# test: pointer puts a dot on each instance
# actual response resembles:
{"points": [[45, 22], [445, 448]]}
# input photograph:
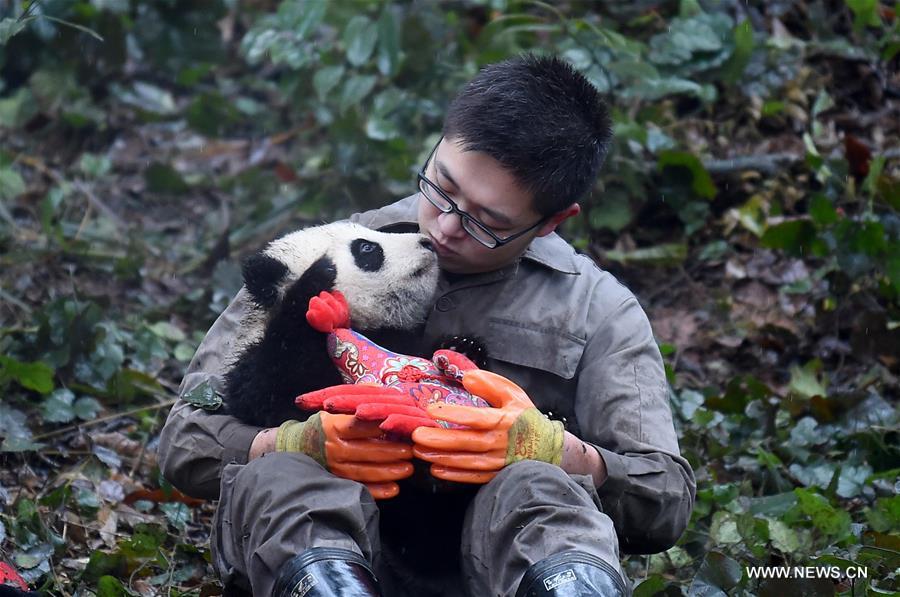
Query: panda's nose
{"points": [[427, 244]]}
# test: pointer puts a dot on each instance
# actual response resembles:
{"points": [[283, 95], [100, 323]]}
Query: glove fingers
{"points": [[495, 389], [372, 473], [488, 461], [469, 416], [383, 491], [379, 412], [404, 425], [316, 400], [366, 450], [352, 403], [461, 476], [461, 440], [348, 427]]}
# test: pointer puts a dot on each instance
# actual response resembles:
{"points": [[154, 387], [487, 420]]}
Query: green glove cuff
{"points": [[535, 437], [307, 437]]}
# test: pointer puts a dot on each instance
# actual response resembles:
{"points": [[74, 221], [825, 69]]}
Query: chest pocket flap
{"points": [[548, 349]]}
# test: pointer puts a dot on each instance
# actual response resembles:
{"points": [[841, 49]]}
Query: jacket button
{"points": [[444, 304]]}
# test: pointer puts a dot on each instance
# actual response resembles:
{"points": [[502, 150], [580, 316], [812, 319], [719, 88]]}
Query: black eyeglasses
{"points": [[480, 232]]}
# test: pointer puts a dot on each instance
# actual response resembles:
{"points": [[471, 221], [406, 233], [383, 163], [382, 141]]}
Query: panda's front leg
{"points": [[289, 360]]}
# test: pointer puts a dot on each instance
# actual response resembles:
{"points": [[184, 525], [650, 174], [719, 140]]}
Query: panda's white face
{"points": [[389, 279]]}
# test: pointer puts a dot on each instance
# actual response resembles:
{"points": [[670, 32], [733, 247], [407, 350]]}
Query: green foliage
{"points": [[152, 142]]}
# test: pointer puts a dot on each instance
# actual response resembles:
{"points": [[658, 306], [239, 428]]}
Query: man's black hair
{"points": [[542, 120]]}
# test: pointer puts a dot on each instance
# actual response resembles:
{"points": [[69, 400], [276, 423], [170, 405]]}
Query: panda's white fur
{"points": [[389, 281], [397, 295]]}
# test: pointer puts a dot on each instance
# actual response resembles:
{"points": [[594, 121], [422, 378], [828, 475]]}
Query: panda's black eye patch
{"points": [[369, 255]]}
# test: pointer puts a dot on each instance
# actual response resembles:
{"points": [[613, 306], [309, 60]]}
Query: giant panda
{"points": [[389, 281]]}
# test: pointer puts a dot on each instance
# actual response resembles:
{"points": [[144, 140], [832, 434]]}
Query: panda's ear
{"points": [[262, 274]]}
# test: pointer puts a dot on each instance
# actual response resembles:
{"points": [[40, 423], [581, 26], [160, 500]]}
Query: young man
{"points": [[560, 493]]}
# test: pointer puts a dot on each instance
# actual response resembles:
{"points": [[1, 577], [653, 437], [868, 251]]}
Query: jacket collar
{"points": [[551, 251]]}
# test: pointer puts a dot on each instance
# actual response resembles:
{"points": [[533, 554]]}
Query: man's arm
{"points": [[622, 406], [196, 444], [581, 458]]}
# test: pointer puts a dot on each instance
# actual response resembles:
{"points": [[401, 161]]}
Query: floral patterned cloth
{"points": [[360, 361]]}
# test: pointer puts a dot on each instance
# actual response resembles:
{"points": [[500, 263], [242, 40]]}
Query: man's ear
{"points": [[558, 218]]}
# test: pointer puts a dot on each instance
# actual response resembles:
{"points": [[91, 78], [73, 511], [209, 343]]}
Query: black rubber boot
{"points": [[326, 572], [572, 574]]}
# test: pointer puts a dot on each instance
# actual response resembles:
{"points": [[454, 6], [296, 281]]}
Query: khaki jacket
{"points": [[569, 333]]}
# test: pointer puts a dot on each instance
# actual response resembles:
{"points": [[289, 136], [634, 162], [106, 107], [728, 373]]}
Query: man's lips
{"points": [[441, 250]]}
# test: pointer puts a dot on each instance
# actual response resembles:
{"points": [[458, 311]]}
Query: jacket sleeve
{"points": [[622, 405], [196, 444]]}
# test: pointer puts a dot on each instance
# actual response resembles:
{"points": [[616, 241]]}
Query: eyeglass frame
{"points": [[463, 216]]}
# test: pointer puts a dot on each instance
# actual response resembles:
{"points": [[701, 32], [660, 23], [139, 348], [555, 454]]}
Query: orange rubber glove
{"points": [[397, 413], [512, 431], [349, 448]]}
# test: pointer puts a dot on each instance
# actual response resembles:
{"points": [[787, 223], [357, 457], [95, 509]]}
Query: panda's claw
{"points": [[452, 364]]}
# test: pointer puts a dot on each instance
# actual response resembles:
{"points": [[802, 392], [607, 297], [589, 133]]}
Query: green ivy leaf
{"points": [[35, 375], [110, 586], [885, 515], [94, 166], [830, 521], [203, 396], [11, 26], [11, 184], [796, 237], [167, 331], [57, 408], [87, 408], [389, 53], [360, 37], [783, 537], [326, 79], [355, 90], [162, 178], [702, 183], [652, 585], [805, 381], [16, 434], [822, 211], [723, 530], [717, 575], [743, 50], [612, 212], [178, 514], [865, 13]]}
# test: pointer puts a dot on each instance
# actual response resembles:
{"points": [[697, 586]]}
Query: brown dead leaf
{"points": [[676, 326], [109, 524]]}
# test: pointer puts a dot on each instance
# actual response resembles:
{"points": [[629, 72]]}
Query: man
{"points": [[560, 493]]}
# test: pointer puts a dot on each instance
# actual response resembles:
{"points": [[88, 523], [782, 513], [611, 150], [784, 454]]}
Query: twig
{"points": [[99, 205], [79, 186], [769, 164], [14, 301], [127, 413]]}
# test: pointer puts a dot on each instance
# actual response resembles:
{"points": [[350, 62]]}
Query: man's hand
{"points": [[349, 448], [512, 431]]}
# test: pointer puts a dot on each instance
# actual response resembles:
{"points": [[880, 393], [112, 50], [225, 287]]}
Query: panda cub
{"points": [[389, 281]]}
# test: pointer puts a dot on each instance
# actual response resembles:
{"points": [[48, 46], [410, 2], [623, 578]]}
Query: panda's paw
{"points": [[452, 364], [328, 311], [469, 346]]}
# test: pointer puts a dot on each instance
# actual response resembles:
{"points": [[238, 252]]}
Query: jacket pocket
{"points": [[527, 345]]}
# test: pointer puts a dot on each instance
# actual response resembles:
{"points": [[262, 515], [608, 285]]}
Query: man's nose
{"points": [[450, 225]]}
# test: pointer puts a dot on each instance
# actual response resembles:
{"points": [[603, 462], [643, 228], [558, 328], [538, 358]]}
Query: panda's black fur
{"points": [[262, 384], [279, 355], [287, 357]]}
